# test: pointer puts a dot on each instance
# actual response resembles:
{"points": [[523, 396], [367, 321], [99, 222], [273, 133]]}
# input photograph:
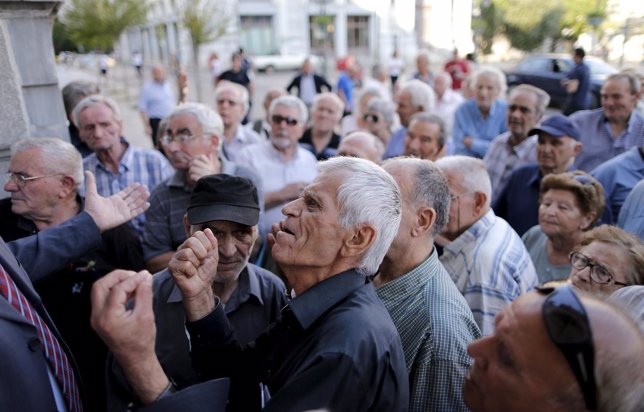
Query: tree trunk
{"points": [[195, 69]]}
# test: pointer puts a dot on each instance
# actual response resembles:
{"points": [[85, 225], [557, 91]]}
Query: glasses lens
{"points": [[277, 119], [600, 274]]}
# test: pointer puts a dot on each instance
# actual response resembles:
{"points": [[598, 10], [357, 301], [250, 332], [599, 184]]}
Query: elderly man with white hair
{"points": [[413, 97], [192, 142], [285, 166], [334, 346], [363, 145], [447, 100], [321, 138], [232, 105], [482, 118], [484, 255]]}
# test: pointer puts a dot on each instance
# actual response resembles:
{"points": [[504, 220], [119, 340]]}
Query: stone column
{"points": [[32, 104]]}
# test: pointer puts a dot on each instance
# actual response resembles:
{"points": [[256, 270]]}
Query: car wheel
{"points": [[269, 69]]}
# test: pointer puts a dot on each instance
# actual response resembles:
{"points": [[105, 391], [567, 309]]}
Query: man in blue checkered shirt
{"points": [[432, 317]]}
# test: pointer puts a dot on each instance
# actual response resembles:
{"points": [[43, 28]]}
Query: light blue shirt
{"points": [[631, 217], [619, 176], [396, 145], [490, 266], [157, 99], [599, 143], [468, 121], [435, 326]]}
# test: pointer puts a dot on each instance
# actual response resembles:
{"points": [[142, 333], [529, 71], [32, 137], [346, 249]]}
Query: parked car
{"points": [[546, 71], [282, 59]]}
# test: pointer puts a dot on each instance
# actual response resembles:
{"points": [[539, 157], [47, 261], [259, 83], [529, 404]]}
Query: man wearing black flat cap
{"points": [[557, 145], [252, 296]]}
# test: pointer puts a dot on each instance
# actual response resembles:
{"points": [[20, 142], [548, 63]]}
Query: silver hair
{"points": [[57, 156], [290, 101], [543, 98], [367, 139], [241, 91], [429, 188], [472, 172], [368, 195], [496, 74], [74, 92], [425, 117], [633, 81], [422, 95], [446, 76], [384, 107], [94, 100], [208, 118], [334, 98]]}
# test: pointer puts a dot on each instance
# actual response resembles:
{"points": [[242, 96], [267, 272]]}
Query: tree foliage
{"points": [[61, 39], [97, 24], [527, 24]]}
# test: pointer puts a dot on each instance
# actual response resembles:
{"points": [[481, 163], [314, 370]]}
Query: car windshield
{"points": [[598, 67]]}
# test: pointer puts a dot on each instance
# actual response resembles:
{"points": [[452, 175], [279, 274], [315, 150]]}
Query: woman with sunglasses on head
{"points": [[570, 204], [608, 259], [379, 117]]}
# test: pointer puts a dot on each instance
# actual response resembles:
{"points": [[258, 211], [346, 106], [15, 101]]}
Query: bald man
{"points": [[363, 145]]}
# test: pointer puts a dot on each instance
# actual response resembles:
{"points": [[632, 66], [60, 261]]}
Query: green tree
{"points": [[98, 24], [61, 39], [205, 21]]}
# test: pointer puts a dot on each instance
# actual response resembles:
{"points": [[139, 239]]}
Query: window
{"points": [[256, 34], [358, 32], [321, 33]]}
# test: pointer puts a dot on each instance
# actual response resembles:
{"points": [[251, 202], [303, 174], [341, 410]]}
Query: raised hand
{"points": [[194, 268], [203, 165], [109, 212]]}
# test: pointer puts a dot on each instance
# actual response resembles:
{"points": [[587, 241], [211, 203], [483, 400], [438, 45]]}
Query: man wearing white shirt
{"points": [[286, 167], [232, 105], [447, 100]]}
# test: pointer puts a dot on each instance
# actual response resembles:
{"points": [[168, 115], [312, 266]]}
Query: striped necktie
{"points": [[53, 351]]}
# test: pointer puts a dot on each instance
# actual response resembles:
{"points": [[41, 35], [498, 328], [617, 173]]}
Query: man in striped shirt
{"points": [[484, 255]]}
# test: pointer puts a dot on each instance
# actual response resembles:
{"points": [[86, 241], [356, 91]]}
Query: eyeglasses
{"points": [[567, 324], [180, 138], [373, 117], [21, 180], [598, 273], [277, 119]]}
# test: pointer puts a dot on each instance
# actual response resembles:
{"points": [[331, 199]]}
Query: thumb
{"points": [[90, 184]]}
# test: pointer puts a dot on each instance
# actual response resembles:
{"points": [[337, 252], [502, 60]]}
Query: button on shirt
{"points": [[490, 266], [334, 347], [435, 326], [266, 161], [599, 143], [502, 159], [144, 166], [157, 99], [468, 121]]}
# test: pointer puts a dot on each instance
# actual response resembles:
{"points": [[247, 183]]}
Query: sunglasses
{"points": [[277, 119], [373, 117], [569, 329]]}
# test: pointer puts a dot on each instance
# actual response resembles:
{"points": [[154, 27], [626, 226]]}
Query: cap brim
{"points": [[248, 216]]}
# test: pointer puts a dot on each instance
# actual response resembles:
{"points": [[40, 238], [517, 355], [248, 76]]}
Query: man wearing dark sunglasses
{"points": [[555, 351]]}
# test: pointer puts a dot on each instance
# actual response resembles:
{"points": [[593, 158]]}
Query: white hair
{"points": [[368, 195], [208, 118], [240, 90], [472, 173], [422, 94], [290, 101], [94, 100], [495, 73], [57, 156]]}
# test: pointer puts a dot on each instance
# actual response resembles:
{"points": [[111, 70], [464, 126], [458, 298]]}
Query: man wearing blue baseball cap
{"points": [[557, 145]]}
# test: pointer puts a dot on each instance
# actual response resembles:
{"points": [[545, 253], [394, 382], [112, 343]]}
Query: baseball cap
{"points": [[557, 126], [224, 197]]}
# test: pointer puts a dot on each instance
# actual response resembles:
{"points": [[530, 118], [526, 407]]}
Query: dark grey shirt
{"points": [[251, 308], [334, 347]]}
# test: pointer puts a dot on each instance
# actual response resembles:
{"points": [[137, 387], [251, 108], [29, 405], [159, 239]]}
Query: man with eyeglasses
{"points": [[285, 166], [553, 350], [608, 259], [193, 139], [45, 175], [321, 139], [115, 162], [516, 147], [485, 258], [232, 105]]}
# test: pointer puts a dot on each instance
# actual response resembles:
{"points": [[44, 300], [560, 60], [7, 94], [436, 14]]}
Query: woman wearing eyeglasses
{"points": [[379, 118], [570, 204], [607, 260]]}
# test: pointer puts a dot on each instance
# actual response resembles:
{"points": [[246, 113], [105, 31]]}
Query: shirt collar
{"points": [[472, 233], [412, 280], [319, 298]]}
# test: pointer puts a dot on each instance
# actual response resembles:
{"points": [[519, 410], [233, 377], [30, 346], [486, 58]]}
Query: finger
{"points": [[102, 287], [121, 292], [214, 244], [143, 296], [90, 184], [270, 240]]}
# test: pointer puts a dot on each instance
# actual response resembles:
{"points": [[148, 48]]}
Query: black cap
{"points": [[557, 126], [224, 197]]}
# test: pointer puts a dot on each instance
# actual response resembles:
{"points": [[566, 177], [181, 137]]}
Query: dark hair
{"points": [[580, 52]]}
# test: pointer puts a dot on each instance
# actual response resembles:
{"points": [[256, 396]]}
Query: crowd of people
{"points": [[394, 243]]}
